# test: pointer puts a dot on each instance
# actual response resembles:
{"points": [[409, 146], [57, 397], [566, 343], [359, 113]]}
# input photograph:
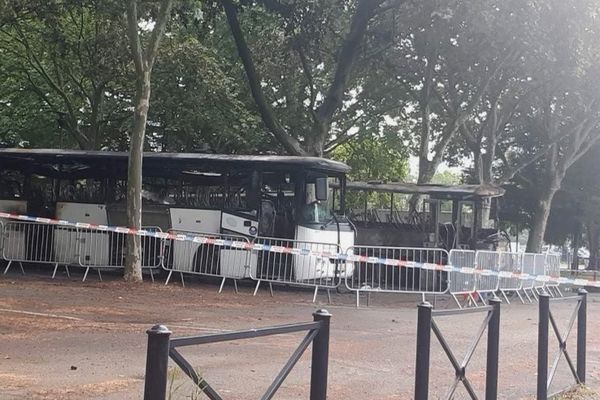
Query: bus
{"points": [[406, 214], [267, 196]]}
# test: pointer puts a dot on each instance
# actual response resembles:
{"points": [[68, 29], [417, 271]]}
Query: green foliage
{"points": [[380, 158]]}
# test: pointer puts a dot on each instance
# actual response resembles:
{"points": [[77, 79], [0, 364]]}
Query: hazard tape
{"points": [[242, 245]]}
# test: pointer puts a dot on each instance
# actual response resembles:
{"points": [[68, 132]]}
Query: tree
{"points": [[143, 61], [315, 70], [63, 61]]}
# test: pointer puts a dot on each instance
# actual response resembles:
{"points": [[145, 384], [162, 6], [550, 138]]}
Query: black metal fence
{"points": [[426, 324], [161, 347], [546, 319]]}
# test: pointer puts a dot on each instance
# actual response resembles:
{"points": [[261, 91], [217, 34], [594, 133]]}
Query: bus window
{"points": [[88, 190], [318, 211], [11, 185]]}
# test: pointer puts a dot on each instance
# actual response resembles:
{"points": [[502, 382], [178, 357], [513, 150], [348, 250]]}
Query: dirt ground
{"points": [[64, 339]]}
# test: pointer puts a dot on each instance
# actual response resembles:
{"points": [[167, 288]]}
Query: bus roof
{"points": [[25, 158], [433, 190]]}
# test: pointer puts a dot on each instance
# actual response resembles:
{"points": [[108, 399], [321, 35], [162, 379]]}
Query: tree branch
{"points": [[348, 53], [159, 29], [290, 143], [137, 52]]}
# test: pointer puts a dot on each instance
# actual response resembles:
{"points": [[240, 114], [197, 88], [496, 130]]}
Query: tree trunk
{"points": [[593, 237], [576, 245], [133, 265], [540, 219]]}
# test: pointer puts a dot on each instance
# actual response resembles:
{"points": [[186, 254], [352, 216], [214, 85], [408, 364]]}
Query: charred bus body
{"points": [[405, 214], [417, 223], [250, 196]]}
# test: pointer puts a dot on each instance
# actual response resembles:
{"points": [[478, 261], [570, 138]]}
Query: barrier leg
{"points": [[558, 291], [67, 271], [581, 335], [520, 297], [99, 275], [182, 281], [456, 300], [157, 363], [527, 295], [7, 267], [423, 350], [271, 288], [473, 301], [54, 272], [358, 299], [151, 275], [315, 293], [85, 274], [479, 294], [169, 277], [235, 287], [221, 286], [256, 288], [21, 266], [505, 296], [328, 296]]}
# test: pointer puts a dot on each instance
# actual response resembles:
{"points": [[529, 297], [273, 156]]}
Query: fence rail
{"points": [[161, 347], [426, 324], [546, 319]]}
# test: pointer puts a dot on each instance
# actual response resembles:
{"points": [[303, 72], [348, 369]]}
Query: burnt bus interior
{"points": [[410, 215], [270, 188], [271, 195]]}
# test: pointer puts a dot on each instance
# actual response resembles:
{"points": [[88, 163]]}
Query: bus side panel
{"points": [[87, 247], [313, 267], [191, 220]]}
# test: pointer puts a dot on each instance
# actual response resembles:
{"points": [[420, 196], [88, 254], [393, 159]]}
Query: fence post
{"points": [[493, 350], [157, 361], [544, 318], [320, 357], [423, 348], [581, 335]]}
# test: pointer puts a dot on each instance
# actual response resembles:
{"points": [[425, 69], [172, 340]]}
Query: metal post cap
{"points": [[425, 304], [582, 291], [158, 330], [322, 313]]}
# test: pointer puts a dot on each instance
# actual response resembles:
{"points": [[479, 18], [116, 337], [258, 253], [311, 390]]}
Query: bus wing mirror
{"points": [[321, 189]]}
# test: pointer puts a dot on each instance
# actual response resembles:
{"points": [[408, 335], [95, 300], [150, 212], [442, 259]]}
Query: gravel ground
{"points": [[63, 339]]}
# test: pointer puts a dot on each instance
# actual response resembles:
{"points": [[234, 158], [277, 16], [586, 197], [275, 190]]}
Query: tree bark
{"points": [[133, 265], [593, 238], [540, 218]]}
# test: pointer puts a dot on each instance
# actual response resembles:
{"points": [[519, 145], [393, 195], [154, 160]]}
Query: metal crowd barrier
{"points": [[487, 284], [459, 283], [512, 263], [38, 243], [389, 277], [221, 259], [288, 262], [310, 264], [533, 264], [553, 270], [107, 250], [28, 242]]}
